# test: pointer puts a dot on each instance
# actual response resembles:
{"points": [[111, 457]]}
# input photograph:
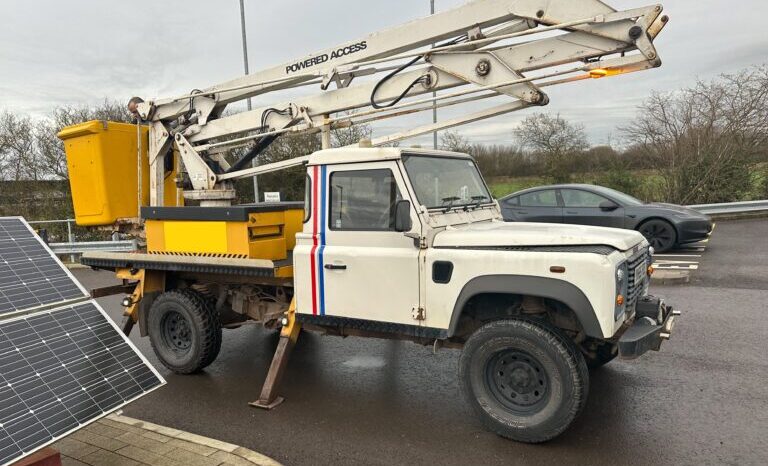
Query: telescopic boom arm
{"points": [[486, 48]]}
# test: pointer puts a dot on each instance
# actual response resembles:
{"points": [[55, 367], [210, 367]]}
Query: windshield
{"points": [[622, 197], [446, 182]]}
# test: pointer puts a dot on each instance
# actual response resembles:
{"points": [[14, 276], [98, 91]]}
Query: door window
{"points": [[363, 200], [579, 198], [546, 198], [307, 198], [512, 202]]}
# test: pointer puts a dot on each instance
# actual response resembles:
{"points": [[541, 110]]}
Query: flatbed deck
{"points": [[196, 264]]}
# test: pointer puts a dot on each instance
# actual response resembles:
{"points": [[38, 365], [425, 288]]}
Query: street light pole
{"points": [[245, 66], [434, 94], [245, 42]]}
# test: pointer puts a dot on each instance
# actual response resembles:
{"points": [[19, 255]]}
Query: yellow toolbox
{"points": [[257, 231]]}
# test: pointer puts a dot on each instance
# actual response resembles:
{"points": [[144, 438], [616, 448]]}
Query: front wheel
{"points": [[527, 381], [660, 234]]}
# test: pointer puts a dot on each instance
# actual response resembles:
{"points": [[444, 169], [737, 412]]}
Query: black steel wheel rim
{"points": [[659, 235], [517, 380], [177, 334]]}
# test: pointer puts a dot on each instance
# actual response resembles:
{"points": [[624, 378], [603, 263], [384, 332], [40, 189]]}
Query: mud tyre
{"points": [[525, 380], [184, 330]]}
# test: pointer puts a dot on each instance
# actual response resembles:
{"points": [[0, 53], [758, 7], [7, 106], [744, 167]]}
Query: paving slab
{"points": [[671, 277], [123, 441]]}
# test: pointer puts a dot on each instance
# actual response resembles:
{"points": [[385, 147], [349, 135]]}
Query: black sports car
{"points": [[665, 225]]}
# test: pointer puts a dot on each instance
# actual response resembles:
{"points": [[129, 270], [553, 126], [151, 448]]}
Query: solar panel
{"points": [[30, 275], [60, 370], [63, 363]]}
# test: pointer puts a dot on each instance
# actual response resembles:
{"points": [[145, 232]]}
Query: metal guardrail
{"points": [[81, 247], [74, 248], [745, 207]]}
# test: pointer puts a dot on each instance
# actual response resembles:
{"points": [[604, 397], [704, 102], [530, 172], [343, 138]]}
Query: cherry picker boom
{"points": [[486, 48]]}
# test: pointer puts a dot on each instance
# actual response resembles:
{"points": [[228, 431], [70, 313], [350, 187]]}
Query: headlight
{"points": [[649, 260], [621, 290]]}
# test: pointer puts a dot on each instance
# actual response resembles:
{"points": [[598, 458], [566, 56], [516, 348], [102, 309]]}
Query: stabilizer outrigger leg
{"points": [[128, 326], [288, 336]]}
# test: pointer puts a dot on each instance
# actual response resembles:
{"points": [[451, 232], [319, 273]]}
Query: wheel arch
{"points": [[542, 287]]}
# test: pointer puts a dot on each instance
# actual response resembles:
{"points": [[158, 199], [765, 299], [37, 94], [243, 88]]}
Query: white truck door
{"points": [[357, 265]]}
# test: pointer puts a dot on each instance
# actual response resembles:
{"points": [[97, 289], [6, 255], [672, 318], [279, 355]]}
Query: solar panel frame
{"points": [[31, 276], [85, 326]]}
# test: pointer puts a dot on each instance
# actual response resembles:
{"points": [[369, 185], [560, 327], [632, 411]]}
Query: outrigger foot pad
{"points": [[262, 405]]}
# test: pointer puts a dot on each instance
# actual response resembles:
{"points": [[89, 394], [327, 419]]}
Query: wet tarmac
{"points": [[702, 400]]}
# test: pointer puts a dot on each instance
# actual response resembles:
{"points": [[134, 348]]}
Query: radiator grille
{"points": [[634, 289]]}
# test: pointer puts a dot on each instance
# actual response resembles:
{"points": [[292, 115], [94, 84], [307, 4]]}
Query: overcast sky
{"points": [[55, 52]]}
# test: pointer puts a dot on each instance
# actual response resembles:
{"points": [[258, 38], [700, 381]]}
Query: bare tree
{"points": [[504, 161], [455, 142], [706, 139], [51, 149], [349, 136], [18, 158], [554, 139], [289, 182]]}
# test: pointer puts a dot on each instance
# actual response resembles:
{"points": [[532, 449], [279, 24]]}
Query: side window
{"points": [[512, 201], [546, 198], [363, 200], [579, 198], [307, 198]]}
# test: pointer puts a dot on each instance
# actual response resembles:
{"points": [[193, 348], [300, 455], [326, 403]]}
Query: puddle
{"points": [[365, 362]]}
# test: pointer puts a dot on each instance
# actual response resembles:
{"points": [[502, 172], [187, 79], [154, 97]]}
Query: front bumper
{"points": [[690, 231], [654, 322]]}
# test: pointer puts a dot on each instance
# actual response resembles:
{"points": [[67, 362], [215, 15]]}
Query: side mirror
{"points": [[403, 220], [608, 206]]}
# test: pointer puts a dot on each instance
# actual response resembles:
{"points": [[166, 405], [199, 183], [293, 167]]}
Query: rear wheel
{"points": [[660, 234], [527, 381], [184, 330]]}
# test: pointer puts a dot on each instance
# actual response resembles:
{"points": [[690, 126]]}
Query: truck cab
{"points": [[372, 216]]}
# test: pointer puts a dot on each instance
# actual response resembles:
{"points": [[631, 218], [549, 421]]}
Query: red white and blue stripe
{"points": [[319, 224]]}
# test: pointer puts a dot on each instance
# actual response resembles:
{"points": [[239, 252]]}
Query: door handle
{"points": [[571, 212], [335, 267]]}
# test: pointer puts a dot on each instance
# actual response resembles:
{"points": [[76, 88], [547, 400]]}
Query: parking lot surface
{"points": [[702, 400], [686, 257]]}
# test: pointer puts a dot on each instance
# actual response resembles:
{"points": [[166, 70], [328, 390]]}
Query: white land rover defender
{"points": [[411, 242]]}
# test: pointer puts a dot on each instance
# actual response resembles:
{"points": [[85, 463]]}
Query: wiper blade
{"points": [[479, 200], [450, 200]]}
